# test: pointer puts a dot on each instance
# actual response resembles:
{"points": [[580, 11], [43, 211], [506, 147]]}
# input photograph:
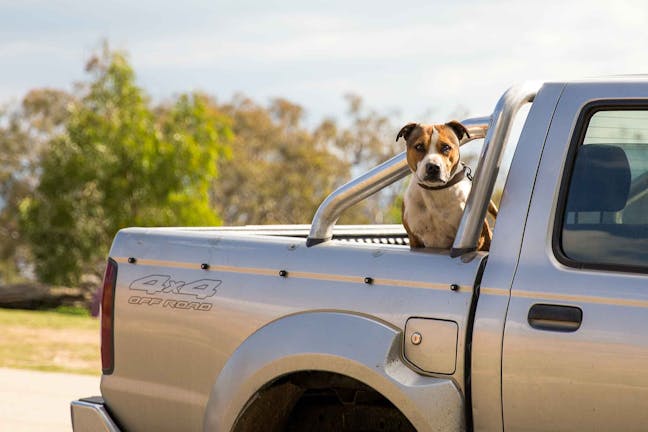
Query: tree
{"points": [[279, 171], [25, 130], [117, 163], [366, 141], [369, 138]]}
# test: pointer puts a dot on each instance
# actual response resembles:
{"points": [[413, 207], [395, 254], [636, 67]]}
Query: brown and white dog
{"points": [[436, 196]]}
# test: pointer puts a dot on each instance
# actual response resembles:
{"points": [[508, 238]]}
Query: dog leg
{"points": [[485, 238], [414, 241]]}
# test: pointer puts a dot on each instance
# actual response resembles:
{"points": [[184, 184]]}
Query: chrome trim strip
{"points": [[494, 291], [578, 299], [371, 182], [474, 214], [291, 274]]}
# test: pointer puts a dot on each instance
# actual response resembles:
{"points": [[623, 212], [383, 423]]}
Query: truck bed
{"points": [[189, 300]]}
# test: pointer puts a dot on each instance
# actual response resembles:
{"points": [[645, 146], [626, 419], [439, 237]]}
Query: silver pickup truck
{"points": [[345, 328]]}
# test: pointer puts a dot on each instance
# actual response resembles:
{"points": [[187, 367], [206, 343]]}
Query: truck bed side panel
{"points": [[176, 324]]}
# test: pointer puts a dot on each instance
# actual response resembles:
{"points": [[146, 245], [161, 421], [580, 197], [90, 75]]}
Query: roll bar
{"points": [[369, 183], [396, 168], [492, 151]]}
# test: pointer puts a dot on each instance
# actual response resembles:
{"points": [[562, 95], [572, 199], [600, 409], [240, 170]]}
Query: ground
{"points": [[32, 401], [62, 341], [66, 340]]}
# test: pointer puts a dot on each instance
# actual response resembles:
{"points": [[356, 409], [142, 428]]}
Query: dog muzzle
{"points": [[465, 172]]}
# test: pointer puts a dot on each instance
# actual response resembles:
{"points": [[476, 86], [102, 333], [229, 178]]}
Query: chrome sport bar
{"points": [[369, 183], [492, 151], [495, 129]]}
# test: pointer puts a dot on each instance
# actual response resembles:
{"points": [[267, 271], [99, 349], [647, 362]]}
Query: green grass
{"points": [[63, 341], [72, 310]]}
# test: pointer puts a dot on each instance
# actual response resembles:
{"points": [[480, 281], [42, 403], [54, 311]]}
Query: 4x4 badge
{"points": [[153, 284]]}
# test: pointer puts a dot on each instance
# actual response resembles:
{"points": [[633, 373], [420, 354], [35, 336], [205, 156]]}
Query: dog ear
{"points": [[459, 129], [406, 131]]}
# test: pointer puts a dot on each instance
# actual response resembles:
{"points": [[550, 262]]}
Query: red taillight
{"points": [[107, 317]]}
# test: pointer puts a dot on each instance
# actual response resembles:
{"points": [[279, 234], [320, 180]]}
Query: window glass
{"points": [[606, 211]]}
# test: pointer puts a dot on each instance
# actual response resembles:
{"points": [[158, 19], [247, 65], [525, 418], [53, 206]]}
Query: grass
{"points": [[64, 340]]}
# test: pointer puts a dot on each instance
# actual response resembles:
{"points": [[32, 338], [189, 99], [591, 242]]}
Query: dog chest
{"points": [[434, 216]]}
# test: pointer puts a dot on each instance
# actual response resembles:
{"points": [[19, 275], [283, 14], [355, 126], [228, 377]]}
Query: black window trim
{"points": [[587, 112]]}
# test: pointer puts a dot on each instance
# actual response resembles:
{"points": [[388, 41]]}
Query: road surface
{"points": [[40, 401]]}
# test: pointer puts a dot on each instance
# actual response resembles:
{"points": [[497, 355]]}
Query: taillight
{"points": [[108, 317]]}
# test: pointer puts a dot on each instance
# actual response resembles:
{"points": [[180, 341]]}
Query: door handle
{"points": [[555, 317]]}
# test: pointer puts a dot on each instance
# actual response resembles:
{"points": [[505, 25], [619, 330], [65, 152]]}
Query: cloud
{"points": [[411, 57]]}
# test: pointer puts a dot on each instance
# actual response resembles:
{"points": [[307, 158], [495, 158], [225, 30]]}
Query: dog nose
{"points": [[432, 170]]}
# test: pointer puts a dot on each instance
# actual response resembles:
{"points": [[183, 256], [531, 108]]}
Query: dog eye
{"points": [[419, 147], [445, 148]]}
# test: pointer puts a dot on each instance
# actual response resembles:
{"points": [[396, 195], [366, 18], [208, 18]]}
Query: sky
{"points": [[415, 60]]}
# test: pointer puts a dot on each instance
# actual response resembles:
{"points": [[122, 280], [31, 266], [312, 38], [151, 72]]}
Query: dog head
{"points": [[433, 150]]}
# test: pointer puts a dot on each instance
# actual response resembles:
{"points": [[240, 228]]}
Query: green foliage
{"points": [[279, 171], [24, 132], [193, 132], [79, 167], [120, 163], [395, 209], [367, 141], [73, 310]]}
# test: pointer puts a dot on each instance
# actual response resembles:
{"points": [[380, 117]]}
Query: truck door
{"points": [[575, 351]]}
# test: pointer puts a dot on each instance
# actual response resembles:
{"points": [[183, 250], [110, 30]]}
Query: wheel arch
{"points": [[351, 345]]}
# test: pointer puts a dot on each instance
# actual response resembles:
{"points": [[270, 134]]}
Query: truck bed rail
{"points": [[391, 234]]}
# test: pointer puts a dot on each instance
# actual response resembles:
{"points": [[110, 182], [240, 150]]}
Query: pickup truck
{"points": [[324, 328]]}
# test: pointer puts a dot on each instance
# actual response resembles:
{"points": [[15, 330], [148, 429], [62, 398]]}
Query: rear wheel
{"points": [[321, 402]]}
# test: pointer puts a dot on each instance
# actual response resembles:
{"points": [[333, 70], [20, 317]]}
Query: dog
{"points": [[436, 196]]}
